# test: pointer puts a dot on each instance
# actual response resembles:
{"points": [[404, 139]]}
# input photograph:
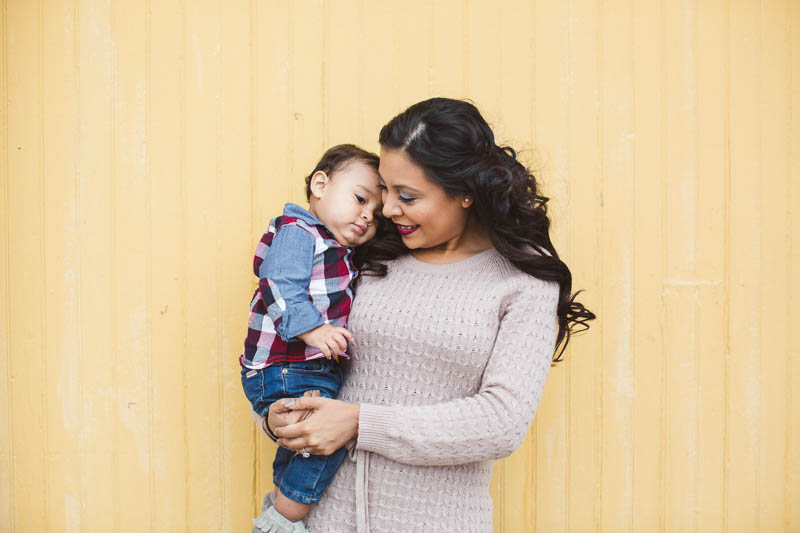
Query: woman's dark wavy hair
{"points": [[455, 147]]}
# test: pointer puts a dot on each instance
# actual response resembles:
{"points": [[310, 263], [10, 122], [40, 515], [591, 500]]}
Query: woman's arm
{"points": [[488, 425]]}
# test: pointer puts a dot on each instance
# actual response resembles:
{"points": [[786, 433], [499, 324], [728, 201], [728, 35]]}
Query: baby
{"points": [[299, 311]]}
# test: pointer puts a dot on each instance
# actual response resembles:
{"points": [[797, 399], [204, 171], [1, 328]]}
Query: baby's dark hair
{"points": [[337, 158]]}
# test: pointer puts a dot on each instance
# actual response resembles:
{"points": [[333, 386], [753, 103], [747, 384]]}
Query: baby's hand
{"points": [[330, 340]]}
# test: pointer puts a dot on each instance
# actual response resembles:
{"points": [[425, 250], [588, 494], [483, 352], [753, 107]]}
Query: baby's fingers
{"points": [[345, 333], [341, 342]]}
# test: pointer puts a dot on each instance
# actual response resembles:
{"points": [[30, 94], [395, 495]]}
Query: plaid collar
{"points": [[295, 211]]}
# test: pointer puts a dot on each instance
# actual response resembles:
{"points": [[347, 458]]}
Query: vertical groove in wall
{"points": [[43, 259], [323, 74], [663, 427], [666, 469], [693, 14], [291, 109], [431, 47], [465, 48], [498, 53], [787, 478], [759, 206], [631, 286], [601, 174], [362, 53], [112, 196], [79, 253], [254, 108], [568, 210], [727, 274], [6, 264], [149, 261], [218, 270], [183, 75], [789, 490]]}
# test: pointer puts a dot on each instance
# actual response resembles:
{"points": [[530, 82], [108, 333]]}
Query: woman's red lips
{"points": [[406, 230]]}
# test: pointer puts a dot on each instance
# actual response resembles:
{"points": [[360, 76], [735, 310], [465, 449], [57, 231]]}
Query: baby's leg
{"points": [[290, 509]]}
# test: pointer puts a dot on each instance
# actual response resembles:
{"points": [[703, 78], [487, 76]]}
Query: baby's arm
{"points": [[286, 274]]}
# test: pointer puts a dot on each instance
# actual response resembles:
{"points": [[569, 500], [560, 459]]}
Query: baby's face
{"points": [[349, 203]]}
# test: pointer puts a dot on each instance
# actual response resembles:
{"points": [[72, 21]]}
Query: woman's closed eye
{"points": [[405, 199], [360, 199]]}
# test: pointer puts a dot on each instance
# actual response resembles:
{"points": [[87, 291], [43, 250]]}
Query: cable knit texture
{"points": [[448, 364]]}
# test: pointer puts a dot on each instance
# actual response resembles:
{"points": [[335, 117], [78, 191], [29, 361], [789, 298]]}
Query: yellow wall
{"points": [[146, 143]]}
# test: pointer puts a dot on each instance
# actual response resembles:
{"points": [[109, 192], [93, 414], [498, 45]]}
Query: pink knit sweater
{"points": [[449, 363]]}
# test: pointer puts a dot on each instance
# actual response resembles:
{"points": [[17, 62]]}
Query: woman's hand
{"points": [[331, 425], [279, 416]]}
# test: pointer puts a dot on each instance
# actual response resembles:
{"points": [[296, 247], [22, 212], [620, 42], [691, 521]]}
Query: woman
{"points": [[452, 343]]}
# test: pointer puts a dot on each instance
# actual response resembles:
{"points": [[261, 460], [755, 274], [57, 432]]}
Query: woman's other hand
{"points": [[331, 425], [279, 416]]}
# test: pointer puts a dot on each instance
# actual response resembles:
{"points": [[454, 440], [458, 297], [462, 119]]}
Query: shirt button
{"points": [[284, 371]]}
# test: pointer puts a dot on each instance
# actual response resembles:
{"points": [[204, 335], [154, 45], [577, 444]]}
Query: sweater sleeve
{"points": [[492, 423]]}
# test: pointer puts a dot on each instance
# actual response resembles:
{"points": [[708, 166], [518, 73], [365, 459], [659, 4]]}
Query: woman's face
{"points": [[425, 216]]}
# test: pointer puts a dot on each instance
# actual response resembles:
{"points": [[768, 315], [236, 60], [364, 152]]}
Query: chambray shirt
{"points": [[304, 281]]}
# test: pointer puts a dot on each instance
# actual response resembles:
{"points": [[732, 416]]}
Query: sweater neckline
{"points": [[470, 263]]}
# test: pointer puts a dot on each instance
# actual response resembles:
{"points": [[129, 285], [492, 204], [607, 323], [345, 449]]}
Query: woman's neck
{"points": [[473, 240]]}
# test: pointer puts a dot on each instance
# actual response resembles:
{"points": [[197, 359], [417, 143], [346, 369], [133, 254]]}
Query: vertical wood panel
{"points": [[235, 260], [412, 32], [62, 235], [272, 176], [167, 229], [132, 372], [584, 485], [792, 474], [774, 152], [550, 124], [308, 127], [205, 505], [711, 108], [343, 61], [616, 141], [375, 78], [744, 384], [95, 200], [26, 245], [447, 46], [648, 296], [680, 286], [7, 507]]}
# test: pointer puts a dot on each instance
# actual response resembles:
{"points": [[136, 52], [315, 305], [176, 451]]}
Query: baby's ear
{"points": [[319, 180]]}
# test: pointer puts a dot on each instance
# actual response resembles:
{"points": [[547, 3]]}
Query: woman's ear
{"points": [[319, 180], [466, 202]]}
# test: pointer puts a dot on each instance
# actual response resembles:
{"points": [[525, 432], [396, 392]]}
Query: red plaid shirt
{"points": [[304, 281]]}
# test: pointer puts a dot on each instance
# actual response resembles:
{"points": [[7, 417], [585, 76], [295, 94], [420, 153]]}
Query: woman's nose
{"points": [[390, 207]]}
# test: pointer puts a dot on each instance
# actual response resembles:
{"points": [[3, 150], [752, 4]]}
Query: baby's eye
{"points": [[383, 187], [360, 199]]}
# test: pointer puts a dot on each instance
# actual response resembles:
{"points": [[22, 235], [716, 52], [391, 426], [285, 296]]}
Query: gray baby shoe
{"points": [[269, 500], [271, 521]]}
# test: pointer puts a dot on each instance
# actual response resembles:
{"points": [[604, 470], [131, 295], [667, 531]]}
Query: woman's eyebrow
{"points": [[406, 188]]}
